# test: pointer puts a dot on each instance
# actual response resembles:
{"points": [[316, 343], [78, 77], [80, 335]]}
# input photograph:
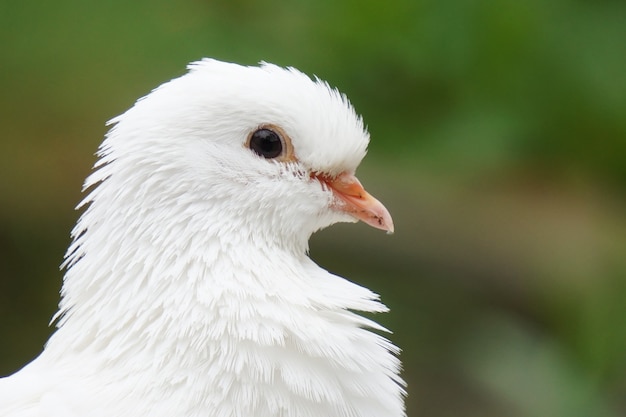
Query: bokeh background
{"points": [[498, 143]]}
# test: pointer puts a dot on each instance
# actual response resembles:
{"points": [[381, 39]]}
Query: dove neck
{"points": [[131, 270]]}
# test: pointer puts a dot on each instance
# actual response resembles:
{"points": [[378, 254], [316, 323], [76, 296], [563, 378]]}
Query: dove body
{"points": [[188, 291]]}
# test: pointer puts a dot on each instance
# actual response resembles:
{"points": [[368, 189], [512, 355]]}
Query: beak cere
{"points": [[354, 200]]}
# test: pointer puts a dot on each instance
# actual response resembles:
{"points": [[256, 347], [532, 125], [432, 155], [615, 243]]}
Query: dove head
{"points": [[249, 153]]}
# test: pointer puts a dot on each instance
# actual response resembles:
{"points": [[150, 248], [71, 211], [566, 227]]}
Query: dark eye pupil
{"points": [[266, 143]]}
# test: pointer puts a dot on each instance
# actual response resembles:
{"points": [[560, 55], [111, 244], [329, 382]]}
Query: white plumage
{"points": [[188, 289]]}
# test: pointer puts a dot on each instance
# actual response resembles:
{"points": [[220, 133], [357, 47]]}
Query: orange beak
{"points": [[357, 202]]}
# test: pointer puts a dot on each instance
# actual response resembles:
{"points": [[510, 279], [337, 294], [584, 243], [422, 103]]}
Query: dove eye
{"points": [[266, 143], [270, 142]]}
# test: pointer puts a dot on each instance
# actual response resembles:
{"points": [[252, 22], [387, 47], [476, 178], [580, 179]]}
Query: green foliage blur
{"points": [[498, 144]]}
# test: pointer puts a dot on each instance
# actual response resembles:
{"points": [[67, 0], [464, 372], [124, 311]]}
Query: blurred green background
{"points": [[498, 144]]}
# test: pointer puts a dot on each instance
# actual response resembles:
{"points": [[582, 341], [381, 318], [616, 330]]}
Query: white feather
{"points": [[188, 291]]}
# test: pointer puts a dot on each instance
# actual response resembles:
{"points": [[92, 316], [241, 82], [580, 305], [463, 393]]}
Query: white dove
{"points": [[188, 291]]}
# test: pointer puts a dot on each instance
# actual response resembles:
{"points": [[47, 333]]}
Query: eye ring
{"points": [[271, 142]]}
